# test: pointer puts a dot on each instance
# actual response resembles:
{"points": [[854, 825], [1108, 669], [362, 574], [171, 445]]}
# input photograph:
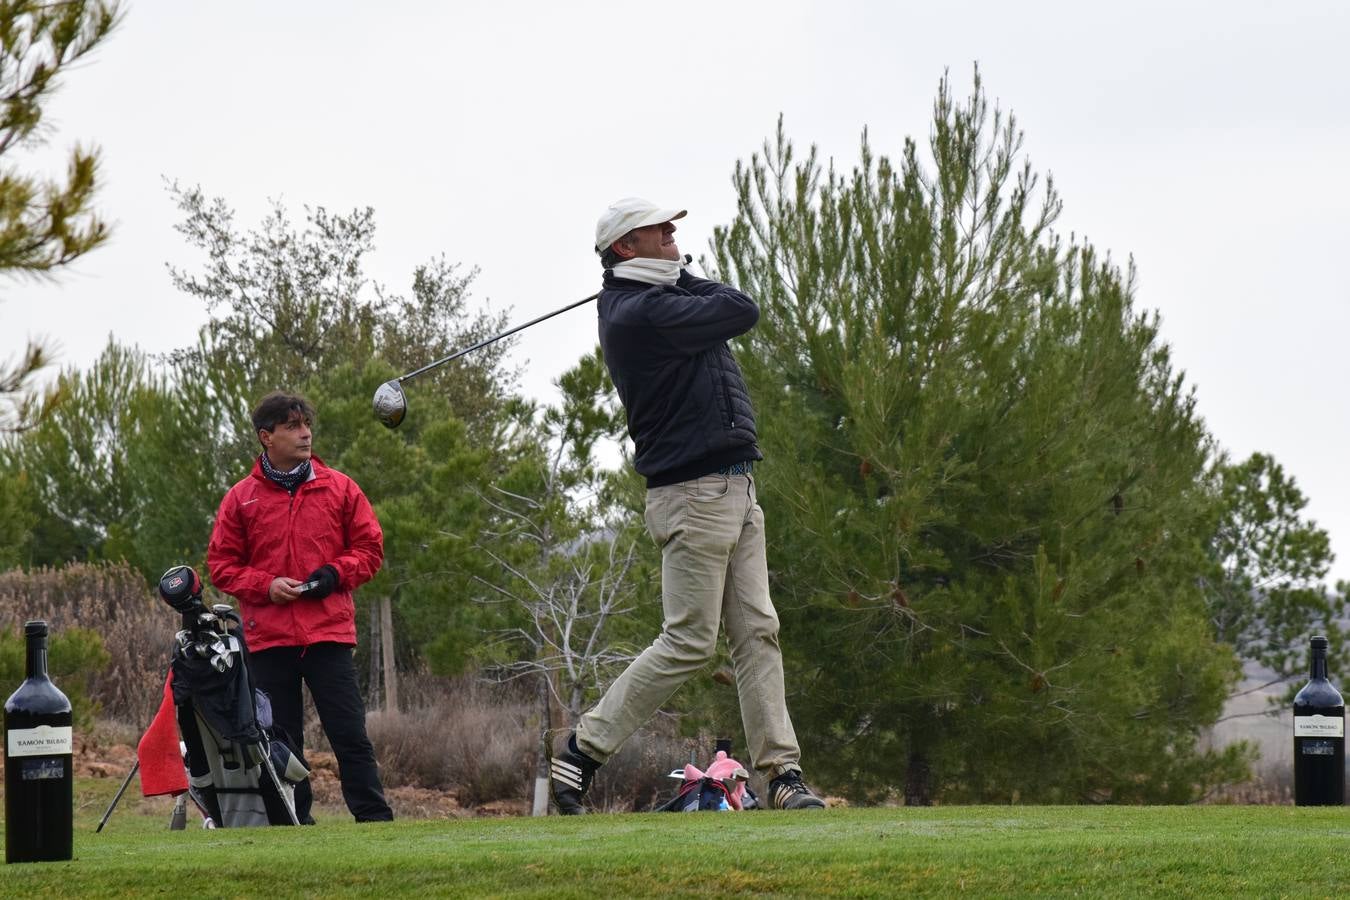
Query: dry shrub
{"points": [[315, 738], [480, 740], [474, 739], [112, 599], [1271, 784], [1257, 792]]}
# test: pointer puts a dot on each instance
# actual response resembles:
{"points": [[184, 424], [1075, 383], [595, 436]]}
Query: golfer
{"points": [[291, 542], [664, 336]]}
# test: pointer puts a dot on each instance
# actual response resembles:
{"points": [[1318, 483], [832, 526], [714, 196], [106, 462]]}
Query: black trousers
{"points": [[330, 674]]}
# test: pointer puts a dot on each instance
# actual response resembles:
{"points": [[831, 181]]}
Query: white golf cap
{"points": [[622, 216]]}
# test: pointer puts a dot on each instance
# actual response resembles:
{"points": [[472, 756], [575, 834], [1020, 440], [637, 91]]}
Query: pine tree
{"points": [[1265, 595], [73, 465], [983, 478], [44, 224]]}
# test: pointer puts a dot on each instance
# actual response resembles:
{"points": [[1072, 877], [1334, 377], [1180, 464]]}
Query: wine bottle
{"points": [[1319, 737], [38, 745]]}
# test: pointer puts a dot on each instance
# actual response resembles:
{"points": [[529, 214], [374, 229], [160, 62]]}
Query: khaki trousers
{"points": [[713, 568]]}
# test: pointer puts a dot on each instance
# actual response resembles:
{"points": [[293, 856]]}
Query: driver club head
{"points": [[390, 404]]}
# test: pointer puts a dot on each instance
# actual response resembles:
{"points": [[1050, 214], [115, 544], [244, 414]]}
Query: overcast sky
{"points": [[1211, 142]]}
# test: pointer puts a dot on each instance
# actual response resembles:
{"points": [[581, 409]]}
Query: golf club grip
{"points": [[492, 340]]}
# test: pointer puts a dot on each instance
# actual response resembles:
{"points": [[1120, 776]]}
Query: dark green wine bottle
{"points": [[38, 746], [1319, 737]]}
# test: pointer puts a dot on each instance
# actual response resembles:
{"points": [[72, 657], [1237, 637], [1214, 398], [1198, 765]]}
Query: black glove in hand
{"points": [[327, 578]]}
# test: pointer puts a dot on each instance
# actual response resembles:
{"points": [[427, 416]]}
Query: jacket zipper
{"points": [[726, 394], [290, 553]]}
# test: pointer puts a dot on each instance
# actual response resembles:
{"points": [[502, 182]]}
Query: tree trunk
{"points": [[918, 781], [540, 805], [373, 692], [387, 654]]}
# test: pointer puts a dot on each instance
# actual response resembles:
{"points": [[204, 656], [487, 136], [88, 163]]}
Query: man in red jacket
{"points": [[291, 542]]}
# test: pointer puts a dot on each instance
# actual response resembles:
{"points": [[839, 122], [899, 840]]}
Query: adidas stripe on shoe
{"points": [[788, 791], [570, 773]]}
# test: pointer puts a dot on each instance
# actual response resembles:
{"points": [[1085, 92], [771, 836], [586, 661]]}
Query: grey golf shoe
{"points": [[570, 774], [788, 791]]}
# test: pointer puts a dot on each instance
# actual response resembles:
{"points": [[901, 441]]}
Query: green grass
{"points": [[1095, 851]]}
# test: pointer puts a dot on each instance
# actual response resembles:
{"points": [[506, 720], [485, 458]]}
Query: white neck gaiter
{"points": [[649, 271]]}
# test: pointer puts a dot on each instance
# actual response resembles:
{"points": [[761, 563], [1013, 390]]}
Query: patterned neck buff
{"points": [[288, 480]]}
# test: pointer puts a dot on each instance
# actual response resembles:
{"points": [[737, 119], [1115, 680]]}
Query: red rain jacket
{"points": [[262, 532]]}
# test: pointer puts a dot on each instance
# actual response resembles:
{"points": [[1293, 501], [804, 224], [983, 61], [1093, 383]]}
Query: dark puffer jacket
{"points": [[688, 408]]}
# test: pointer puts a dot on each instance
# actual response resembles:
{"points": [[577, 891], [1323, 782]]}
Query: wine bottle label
{"points": [[43, 740], [1319, 726]]}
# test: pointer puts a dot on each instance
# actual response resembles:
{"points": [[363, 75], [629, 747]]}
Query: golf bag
{"points": [[229, 748], [722, 788], [239, 770]]}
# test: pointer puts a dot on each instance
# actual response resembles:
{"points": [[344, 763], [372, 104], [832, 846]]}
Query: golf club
{"points": [[390, 403], [136, 767]]}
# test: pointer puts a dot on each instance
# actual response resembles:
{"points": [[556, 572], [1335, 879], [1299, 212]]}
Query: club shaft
{"points": [[120, 791], [289, 803], [492, 340]]}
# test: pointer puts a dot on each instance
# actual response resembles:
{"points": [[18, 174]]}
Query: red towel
{"points": [[158, 753]]}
